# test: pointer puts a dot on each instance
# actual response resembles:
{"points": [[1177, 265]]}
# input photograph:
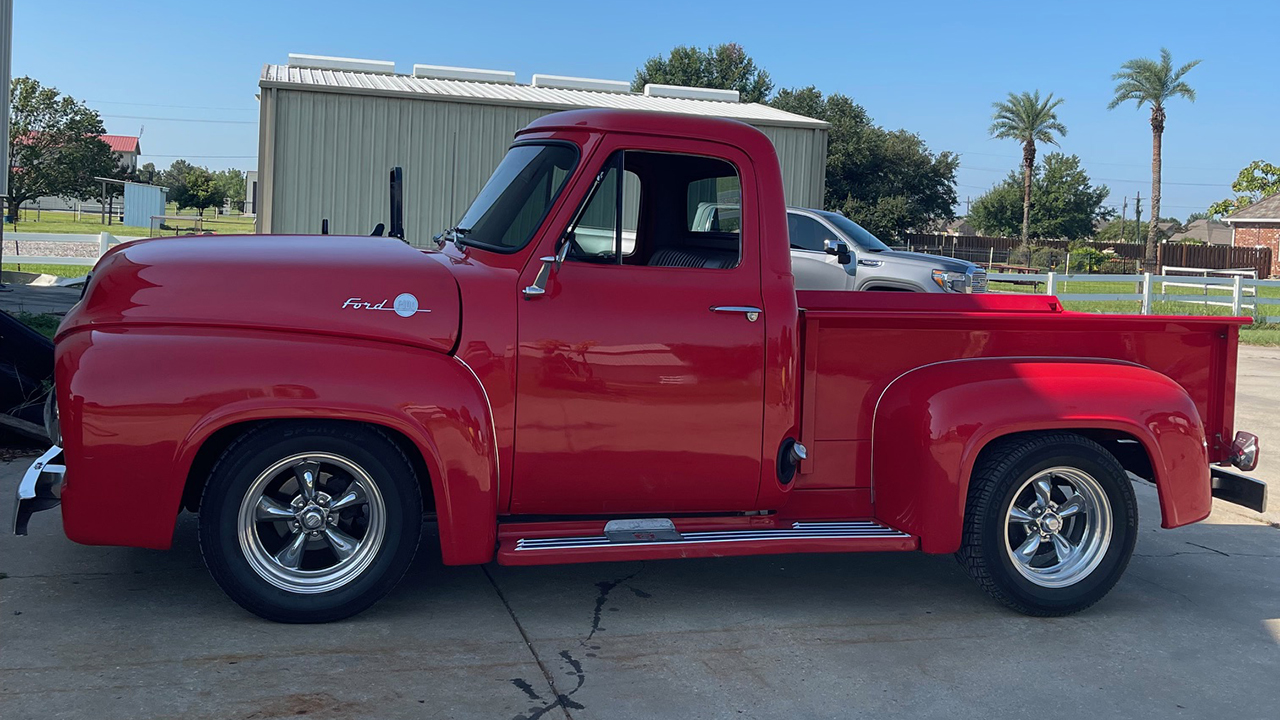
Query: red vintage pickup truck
{"points": [[577, 374]]}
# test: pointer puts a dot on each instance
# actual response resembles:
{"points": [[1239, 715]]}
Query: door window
{"points": [[807, 233], [596, 234], [670, 210]]}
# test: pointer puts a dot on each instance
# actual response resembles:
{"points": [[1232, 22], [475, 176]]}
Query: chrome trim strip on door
{"points": [[735, 309], [797, 531]]}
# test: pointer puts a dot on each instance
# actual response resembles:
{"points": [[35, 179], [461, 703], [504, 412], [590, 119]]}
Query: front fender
{"points": [[932, 423], [138, 405]]}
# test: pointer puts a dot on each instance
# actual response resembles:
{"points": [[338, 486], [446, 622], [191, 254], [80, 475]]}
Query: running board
{"points": [[800, 537]]}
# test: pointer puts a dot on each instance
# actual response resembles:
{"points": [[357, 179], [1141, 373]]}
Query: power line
{"points": [[181, 107], [172, 119], [1093, 162], [1124, 180]]}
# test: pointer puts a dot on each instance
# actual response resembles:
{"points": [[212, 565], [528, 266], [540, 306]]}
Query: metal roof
{"points": [[121, 143], [341, 81]]}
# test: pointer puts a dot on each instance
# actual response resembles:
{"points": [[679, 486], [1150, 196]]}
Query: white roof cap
{"points": [[324, 62], [443, 72], [577, 83], [691, 93]]}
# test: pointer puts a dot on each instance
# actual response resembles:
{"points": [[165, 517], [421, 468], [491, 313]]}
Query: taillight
{"points": [[1244, 451]]}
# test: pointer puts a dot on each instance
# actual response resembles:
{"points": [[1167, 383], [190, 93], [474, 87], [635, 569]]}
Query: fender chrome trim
{"points": [[493, 428]]}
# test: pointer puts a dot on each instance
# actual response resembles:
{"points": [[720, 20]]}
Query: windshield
{"points": [[518, 196], [856, 232]]}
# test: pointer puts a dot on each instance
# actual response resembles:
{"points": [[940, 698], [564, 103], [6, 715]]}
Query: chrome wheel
{"points": [[311, 523], [1058, 527]]}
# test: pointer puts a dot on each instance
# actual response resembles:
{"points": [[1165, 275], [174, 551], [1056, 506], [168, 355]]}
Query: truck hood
{"points": [[915, 258], [360, 287]]}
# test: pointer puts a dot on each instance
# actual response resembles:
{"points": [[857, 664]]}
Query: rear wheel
{"points": [[310, 522], [1051, 523]]}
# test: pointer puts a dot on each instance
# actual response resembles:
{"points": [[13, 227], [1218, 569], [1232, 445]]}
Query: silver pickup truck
{"points": [[820, 240], [831, 252]]}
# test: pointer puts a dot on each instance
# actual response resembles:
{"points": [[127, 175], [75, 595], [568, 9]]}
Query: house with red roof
{"points": [[126, 150]]}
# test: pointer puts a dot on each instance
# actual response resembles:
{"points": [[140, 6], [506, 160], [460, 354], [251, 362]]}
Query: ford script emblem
{"points": [[405, 305]]}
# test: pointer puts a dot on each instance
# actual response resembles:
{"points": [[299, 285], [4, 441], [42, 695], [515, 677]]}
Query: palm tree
{"points": [[1146, 81], [1028, 119]]}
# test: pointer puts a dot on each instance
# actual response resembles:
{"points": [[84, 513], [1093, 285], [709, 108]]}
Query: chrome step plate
{"points": [[797, 531], [641, 530]]}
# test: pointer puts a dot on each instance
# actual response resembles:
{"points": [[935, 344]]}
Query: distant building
{"points": [[1258, 225], [251, 192], [126, 150], [1210, 232]]}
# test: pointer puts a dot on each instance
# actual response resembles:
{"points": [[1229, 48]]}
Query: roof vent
{"points": [[575, 83], [441, 72], [322, 62], [691, 93]]}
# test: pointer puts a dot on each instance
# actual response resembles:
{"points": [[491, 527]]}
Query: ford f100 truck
{"points": [[545, 397]]}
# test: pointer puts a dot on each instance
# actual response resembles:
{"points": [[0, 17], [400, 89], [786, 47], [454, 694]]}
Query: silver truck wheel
{"points": [[311, 522], [1050, 522], [1058, 527]]}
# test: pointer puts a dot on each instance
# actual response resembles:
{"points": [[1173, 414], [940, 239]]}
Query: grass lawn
{"points": [[66, 271], [43, 323], [65, 223]]}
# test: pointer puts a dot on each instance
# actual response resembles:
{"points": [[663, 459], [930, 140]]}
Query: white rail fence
{"points": [[91, 248], [1239, 293]]}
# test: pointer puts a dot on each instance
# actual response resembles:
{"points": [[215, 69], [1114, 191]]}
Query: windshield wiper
{"points": [[454, 235]]}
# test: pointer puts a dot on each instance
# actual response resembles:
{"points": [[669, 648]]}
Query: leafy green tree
{"points": [[1147, 82], [1028, 119], [54, 146], [724, 67], [886, 180], [1196, 216], [1067, 204], [149, 174], [1255, 182], [191, 186], [231, 184]]}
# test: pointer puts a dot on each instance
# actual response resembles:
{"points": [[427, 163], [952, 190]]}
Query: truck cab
{"points": [[585, 370]]}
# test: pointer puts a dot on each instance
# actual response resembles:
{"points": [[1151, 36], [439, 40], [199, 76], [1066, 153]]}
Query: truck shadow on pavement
{"points": [[1198, 607]]}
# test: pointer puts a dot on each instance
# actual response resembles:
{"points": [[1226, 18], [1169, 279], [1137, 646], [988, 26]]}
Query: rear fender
{"points": [[159, 397], [932, 423]]}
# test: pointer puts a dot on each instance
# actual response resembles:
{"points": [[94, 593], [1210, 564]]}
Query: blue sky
{"points": [[931, 67]]}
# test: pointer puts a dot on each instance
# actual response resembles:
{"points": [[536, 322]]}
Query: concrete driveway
{"points": [[1192, 631]]}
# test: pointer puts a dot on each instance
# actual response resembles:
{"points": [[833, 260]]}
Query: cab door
{"points": [[640, 369]]}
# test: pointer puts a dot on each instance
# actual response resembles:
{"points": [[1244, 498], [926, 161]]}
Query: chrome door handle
{"points": [[752, 313]]}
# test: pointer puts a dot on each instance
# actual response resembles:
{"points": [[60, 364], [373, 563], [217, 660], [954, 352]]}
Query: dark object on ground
{"points": [[26, 371]]}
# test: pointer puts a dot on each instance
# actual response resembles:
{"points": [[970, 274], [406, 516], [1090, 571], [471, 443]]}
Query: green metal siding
{"points": [[328, 156]]}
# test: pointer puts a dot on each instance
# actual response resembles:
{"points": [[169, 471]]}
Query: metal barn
{"points": [[332, 128]]}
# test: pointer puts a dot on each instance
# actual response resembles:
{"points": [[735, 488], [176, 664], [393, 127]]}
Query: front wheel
{"points": [[310, 522], [1050, 524]]}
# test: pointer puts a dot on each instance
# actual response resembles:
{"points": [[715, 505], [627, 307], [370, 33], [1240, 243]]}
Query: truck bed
{"points": [[855, 344]]}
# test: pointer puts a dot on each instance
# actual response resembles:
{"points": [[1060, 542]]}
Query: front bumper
{"points": [[40, 488], [1239, 489]]}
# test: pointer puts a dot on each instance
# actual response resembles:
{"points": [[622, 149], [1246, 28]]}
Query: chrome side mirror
{"points": [[840, 249], [549, 263]]}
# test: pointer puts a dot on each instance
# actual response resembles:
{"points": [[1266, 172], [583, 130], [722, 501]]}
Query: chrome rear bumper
{"points": [[40, 488]]}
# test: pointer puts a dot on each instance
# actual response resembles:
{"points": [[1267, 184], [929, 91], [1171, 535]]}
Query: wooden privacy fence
{"points": [[980, 249]]}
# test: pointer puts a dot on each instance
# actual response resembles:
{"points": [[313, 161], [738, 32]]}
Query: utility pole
{"points": [[6, 54], [1124, 212], [1137, 217]]}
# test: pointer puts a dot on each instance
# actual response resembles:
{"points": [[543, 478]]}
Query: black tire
{"points": [[986, 550], [238, 470]]}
